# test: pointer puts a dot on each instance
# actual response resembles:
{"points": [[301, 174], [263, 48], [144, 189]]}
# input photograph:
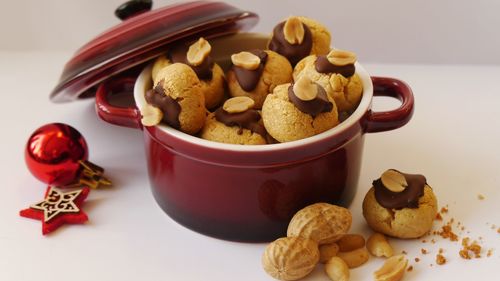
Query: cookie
{"points": [[337, 74], [299, 110], [235, 122], [400, 205], [197, 56], [178, 94], [298, 37], [256, 73]]}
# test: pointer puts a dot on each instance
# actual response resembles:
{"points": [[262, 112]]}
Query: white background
{"points": [[424, 31], [452, 139]]}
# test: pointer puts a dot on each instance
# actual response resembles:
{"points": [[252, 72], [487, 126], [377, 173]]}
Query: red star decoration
{"points": [[58, 208]]}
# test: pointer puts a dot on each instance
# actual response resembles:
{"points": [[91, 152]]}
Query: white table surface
{"points": [[452, 139]]}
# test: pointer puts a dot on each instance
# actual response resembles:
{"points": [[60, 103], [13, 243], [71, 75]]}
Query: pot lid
{"points": [[142, 36]]}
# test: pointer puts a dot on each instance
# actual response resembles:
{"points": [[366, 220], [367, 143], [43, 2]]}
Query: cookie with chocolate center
{"points": [[235, 122], [179, 96], [336, 72], [400, 205], [299, 110], [197, 56], [256, 73], [298, 37]]}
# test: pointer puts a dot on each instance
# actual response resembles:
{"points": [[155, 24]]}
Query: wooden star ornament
{"points": [[58, 208]]}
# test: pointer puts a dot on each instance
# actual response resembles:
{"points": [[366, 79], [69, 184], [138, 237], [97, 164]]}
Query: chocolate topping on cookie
{"points": [[314, 106], [293, 52], [178, 54], [323, 65], [412, 189], [248, 119], [170, 107], [249, 78]]}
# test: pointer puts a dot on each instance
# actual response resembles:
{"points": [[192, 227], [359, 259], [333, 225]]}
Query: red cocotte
{"points": [[249, 193]]}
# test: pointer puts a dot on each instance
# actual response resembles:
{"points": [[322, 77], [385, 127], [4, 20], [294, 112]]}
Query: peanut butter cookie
{"points": [[400, 205], [256, 73], [197, 56], [337, 74], [178, 94], [299, 110], [235, 122], [298, 37]]}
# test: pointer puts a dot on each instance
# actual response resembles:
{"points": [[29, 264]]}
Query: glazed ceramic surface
{"points": [[249, 193]]}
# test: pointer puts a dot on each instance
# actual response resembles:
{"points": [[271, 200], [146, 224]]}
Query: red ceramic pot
{"points": [[249, 193]]}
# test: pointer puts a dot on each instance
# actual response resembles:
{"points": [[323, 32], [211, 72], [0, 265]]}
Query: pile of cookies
{"points": [[295, 89]]}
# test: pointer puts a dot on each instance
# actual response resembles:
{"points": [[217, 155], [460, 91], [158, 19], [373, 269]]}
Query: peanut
{"points": [[341, 57], [394, 181], [246, 60], [378, 246], [198, 51], [327, 251], [350, 242], [354, 258], [293, 31], [290, 258], [337, 269], [322, 222], [392, 270], [238, 104], [305, 89], [151, 116]]}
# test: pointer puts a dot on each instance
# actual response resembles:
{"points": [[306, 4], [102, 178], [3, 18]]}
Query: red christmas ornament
{"points": [[54, 153], [58, 207]]}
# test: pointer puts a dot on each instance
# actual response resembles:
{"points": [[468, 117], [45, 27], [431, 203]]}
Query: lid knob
{"points": [[132, 8]]}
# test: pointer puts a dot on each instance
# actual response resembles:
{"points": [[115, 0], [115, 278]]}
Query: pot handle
{"points": [[128, 116], [393, 119]]}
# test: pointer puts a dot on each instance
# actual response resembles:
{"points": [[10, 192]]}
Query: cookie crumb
{"points": [[417, 259], [424, 251], [467, 249], [439, 217], [444, 210], [498, 230], [447, 232], [441, 250], [490, 252], [410, 268], [424, 241], [480, 197], [464, 254], [440, 259], [404, 252]]}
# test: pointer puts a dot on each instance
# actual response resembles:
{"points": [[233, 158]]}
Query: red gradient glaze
{"points": [[142, 37], [251, 195]]}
